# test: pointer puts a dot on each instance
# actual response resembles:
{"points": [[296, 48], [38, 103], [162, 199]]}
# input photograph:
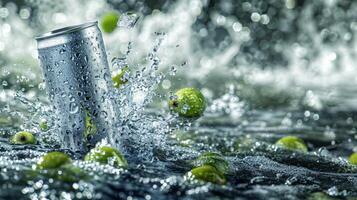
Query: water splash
{"points": [[128, 20], [143, 132]]}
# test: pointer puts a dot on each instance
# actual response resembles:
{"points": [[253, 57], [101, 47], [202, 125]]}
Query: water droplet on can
{"points": [[73, 108], [62, 51]]}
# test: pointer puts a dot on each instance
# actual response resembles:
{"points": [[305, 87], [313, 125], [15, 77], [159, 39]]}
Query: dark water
{"points": [[257, 168], [267, 68]]}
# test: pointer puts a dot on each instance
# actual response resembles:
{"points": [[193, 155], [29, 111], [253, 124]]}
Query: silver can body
{"points": [[78, 82]]}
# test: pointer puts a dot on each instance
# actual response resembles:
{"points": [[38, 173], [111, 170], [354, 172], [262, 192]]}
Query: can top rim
{"points": [[66, 30]]}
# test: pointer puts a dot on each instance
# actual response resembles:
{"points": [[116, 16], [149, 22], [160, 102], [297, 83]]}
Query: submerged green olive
{"points": [[23, 137], [353, 159], [188, 102], [207, 173], [109, 21], [43, 126], [119, 79], [213, 159], [292, 143], [107, 155], [53, 160]]}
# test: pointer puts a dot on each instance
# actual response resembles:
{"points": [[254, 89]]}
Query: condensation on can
{"points": [[77, 76]]}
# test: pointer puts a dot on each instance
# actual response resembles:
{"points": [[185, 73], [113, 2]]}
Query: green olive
{"points": [[53, 160], [43, 126], [353, 158], [119, 79], [109, 21], [207, 173], [107, 155], [58, 166], [292, 143], [188, 102], [213, 159], [23, 137]]}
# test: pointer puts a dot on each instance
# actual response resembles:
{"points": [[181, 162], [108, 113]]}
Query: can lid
{"points": [[66, 30]]}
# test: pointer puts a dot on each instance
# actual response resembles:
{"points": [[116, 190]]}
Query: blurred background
{"points": [[274, 53]]}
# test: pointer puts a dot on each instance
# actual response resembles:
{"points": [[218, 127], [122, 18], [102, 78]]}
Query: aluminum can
{"points": [[78, 81]]}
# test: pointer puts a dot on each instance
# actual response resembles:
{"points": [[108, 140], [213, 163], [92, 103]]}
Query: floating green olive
{"points": [[119, 78], [43, 126], [109, 21], [23, 137], [53, 160], [213, 159], [353, 159], [188, 102], [292, 143], [107, 155], [58, 166], [207, 173]]}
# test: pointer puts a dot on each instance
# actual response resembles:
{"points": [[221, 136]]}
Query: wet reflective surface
{"points": [[267, 68]]}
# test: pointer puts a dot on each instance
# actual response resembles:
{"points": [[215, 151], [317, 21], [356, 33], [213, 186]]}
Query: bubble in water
{"points": [[166, 84]]}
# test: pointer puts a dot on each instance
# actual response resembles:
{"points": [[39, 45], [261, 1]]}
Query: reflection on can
{"points": [[78, 82]]}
